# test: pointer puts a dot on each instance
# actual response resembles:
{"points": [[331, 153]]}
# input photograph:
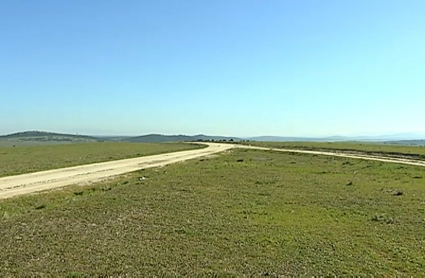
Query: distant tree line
{"points": [[220, 140]]}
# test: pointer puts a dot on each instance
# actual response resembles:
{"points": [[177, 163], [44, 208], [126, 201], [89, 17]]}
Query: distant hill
{"points": [[177, 138], [42, 136]]}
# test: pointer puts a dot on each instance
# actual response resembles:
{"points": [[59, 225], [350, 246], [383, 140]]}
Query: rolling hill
{"points": [[42, 137]]}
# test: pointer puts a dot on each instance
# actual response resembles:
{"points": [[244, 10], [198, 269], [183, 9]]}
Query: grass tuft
{"points": [[382, 218], [42, 206], [398, 193]]}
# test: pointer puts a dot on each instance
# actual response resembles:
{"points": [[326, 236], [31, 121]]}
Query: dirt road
{"points": [[341, 154], [34, 182]]}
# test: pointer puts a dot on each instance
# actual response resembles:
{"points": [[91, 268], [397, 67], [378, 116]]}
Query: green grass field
{"points": [[16, 143], [27, 159], [268, 214], [413, 152]]}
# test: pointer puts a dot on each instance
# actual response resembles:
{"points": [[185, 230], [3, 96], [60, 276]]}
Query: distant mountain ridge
{"points": [[43, 136]]}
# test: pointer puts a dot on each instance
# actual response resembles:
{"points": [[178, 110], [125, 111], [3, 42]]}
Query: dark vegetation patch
{"points": [[40, 206]]}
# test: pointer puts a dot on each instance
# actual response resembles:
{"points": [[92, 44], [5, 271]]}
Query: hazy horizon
{"points": [[232, 68], [387, 136]]}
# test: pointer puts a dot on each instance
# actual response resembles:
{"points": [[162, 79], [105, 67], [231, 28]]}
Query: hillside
{"points": [[42, 137], [43, 134]]}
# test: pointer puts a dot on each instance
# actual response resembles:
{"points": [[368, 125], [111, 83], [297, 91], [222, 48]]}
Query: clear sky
{"points": [[219, 67]]}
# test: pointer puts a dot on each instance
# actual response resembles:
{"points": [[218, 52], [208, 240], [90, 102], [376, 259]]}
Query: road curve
{"points": [[34, 182], [39, 181]]}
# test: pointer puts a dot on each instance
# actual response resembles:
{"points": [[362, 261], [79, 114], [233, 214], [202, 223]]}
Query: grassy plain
{"points": [[414, 152], [245, 213], [16, 143], [27, 159]]}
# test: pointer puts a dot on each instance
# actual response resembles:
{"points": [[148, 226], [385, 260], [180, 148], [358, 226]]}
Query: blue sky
{"points": [[238, 68]]}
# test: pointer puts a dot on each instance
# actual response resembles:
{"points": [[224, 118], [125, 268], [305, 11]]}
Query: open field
{"points": [[248, 212], [23, 143], [20, 160], [410, 152], [96, 172]]}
